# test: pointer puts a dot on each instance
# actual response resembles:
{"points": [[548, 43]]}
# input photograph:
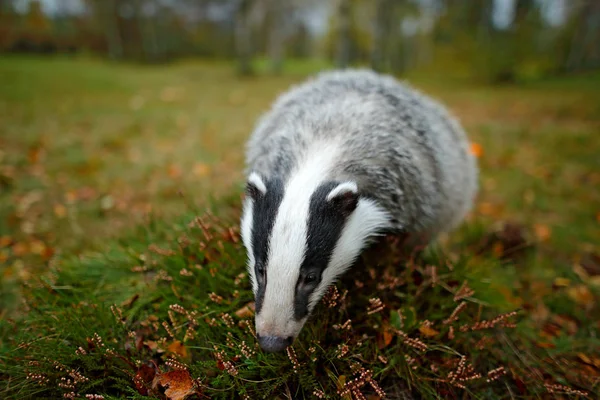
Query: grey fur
{"points": [[402, 148]]}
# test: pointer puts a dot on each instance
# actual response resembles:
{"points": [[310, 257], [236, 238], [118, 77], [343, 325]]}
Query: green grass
{"points": [[103, 165]]}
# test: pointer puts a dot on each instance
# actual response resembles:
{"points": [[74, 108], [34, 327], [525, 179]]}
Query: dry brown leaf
{"points": [[143, 377], [179, 384], [427, 331]]}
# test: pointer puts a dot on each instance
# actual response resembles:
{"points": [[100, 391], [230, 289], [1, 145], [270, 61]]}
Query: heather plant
{"points": [[172, 317]]}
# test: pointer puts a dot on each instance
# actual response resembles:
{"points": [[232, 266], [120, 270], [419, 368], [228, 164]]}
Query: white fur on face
{"points": [[288, 244], [255, 179], [360, 228], [246, 233], [342, 188]]}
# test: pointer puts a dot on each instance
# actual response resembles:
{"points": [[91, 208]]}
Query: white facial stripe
{"points": [[360, 228], [246, 233], [288, 244], [342, 188], [256, 180]]}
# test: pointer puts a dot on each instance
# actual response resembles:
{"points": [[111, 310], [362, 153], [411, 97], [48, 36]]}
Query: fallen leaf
{"points": [[427, 331], [37, 247], [545, 345], [542, 232], [591, 264], [179, 349], [384, 338], [201, 170], [246, 312], [60, 211], [585, 359], [174, 171], [582, 295], [20, 249], [5, 241], [143, 377], [179, 384], [561, 282], [476, 149]]}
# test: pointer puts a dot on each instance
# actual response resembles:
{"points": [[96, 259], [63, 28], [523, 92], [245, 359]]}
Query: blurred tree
{"points": [[243, 38], [381, 32], [344, 33], [107, 14], [583, 37]]}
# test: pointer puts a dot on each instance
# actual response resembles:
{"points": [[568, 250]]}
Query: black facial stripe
{"points": [[263, 214], [325, 225]]}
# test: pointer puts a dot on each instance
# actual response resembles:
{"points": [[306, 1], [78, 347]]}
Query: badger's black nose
{"points": [[272, 344]]}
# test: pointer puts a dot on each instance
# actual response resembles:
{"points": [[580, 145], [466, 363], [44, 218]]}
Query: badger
{"points": [[340, 159]]}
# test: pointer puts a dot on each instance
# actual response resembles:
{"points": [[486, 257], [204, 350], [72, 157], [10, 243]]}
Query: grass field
{"points": [[105, 170]]}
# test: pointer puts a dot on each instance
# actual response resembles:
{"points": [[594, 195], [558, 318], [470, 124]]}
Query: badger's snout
{"points": [[273, 344]]}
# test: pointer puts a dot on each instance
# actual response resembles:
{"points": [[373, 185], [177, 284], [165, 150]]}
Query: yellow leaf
{"points": [[60, 211], [582, 295], [562, 282], [37, 247]]}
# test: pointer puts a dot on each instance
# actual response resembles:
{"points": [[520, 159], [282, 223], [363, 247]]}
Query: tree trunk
{"points": [[276, 36], [111, 29], [381, 31], [344, 40], [243, 40]]}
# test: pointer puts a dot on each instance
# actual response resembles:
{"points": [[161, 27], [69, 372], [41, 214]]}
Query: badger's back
{"points": [[402, 148]]}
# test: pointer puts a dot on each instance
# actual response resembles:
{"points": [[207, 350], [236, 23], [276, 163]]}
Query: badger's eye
{"points": [[261, 270], [310, 278]]}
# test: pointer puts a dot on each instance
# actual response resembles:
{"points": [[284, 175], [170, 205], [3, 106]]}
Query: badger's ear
{"points": [[255, 186], [344, 197]]}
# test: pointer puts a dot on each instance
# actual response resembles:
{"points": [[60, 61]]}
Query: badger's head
{"points": [[300, 236]]}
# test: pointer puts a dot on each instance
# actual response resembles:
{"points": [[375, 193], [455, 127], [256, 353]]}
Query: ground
{"points": [[104, 168]]}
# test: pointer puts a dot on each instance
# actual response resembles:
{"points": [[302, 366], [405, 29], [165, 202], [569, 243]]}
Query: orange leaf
{"points": [[542, 232], [427, 331], [179, 384], [20, 249], [476, 150], [174, 171], [178, 348], [201, 170], [385, 338]]}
